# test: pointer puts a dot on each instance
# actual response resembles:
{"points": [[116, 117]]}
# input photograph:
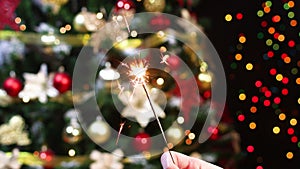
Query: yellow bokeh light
{"points": [[276, 130], [281, 38], [242, 96], [298, 100], [279, 77], [289, 155], [252, 125], [282, 116], [228, 17], [163, 49], [293, 122], [242, 39], [249, 66], [238, 56]]}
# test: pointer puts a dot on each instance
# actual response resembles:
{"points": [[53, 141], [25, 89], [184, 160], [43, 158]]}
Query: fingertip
{"points": [[163, 160], [167, 162]]}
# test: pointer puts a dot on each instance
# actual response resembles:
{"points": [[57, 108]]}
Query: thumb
{"points": [[167, 162]]}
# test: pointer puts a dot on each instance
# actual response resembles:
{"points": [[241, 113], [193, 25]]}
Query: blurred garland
{"points": [[36, 38]]}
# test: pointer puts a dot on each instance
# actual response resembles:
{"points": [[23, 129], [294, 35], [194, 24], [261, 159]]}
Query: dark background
{"points": [[270, 149]]}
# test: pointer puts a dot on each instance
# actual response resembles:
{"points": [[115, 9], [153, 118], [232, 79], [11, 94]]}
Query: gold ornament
{"points": [[205, 79], [72, 133], [55, 4], [103, 160], [99, 131], [154, 5], [5, 99], [175, 134], [78, 23], [137, 105]]}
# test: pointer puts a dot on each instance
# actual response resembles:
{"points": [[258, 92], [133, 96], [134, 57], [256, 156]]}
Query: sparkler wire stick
{"points": [[157, 119], [119, 133]]}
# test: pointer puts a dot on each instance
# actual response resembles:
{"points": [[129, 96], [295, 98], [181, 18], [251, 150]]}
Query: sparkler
{"points": [[137, 70], [120, 130]]}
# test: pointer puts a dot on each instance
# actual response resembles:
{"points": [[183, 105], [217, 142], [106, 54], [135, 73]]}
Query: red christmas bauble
{"points": [[142, 142], [174, 62], [124, 4], [62, 82], [160, 22], [46, 155], [12, 86]]}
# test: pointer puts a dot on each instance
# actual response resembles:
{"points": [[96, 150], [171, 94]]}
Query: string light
{"points": [[250, 149], [249, 66], [289, 155], [276, 130], [242, 96], [293, 122], [282, 116], [253, 109], [238, 56], [228, 17], [252, 125]]}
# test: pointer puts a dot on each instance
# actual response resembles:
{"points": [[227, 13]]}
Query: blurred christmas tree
{"points": [[41, 42]]}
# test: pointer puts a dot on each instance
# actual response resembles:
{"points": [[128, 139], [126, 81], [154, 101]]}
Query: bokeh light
{"points": [[250, 149], [293, 122], [249, 66], [252, 125], [294, 139], [239, 16], [255, 99], [276, 130], [241, 117], [242, 96], [238, 56], [279, 64], [282, 116], [228, 17], [253, 109], [290, 131], [289, 155]]}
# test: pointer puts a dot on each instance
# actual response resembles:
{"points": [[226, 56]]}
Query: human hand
{"points": [[184, 162]]}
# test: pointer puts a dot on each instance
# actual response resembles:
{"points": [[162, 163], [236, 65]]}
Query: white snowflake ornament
{"points": [[138, 106], [106, 160], [10, 162], [38, 86]]}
